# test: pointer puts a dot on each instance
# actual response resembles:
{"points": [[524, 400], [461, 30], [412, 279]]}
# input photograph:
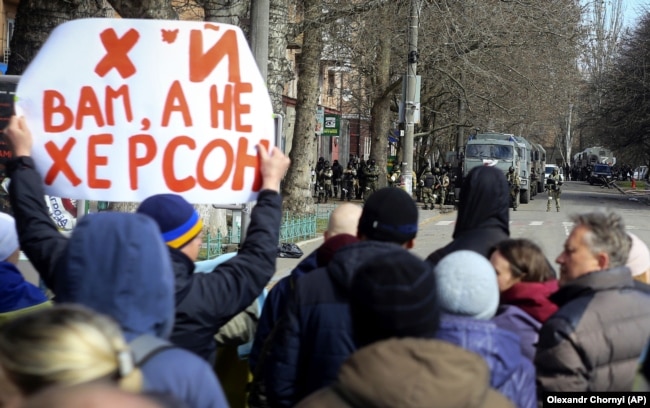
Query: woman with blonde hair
{"points": [[64, 346], [526, 282]]}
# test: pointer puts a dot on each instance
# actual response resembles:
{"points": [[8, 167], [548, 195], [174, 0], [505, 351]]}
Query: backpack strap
{"points": [[146, 346]]}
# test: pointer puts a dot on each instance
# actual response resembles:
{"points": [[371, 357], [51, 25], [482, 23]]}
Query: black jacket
{"points": [[483, 217], [207, 301]]}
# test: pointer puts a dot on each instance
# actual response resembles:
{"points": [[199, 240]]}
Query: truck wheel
{"points": [[524, 196]]}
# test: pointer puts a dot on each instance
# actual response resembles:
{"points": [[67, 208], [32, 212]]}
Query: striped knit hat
{"points": [[178, 220]]}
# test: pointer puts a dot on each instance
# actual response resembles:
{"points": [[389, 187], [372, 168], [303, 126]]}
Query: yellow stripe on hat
{"points": [[188, 236]]}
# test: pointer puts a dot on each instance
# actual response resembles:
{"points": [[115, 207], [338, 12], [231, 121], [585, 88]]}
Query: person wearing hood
{"points": [[594, 341], [314, 336], [483, 213], [468, 293], [395, 314], [207, 301], [114, 263], [17, 296], [526, 282], [341, 231]]}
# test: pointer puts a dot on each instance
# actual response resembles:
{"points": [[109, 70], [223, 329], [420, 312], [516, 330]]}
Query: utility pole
{"points": [[410, 106], [260, 10]]}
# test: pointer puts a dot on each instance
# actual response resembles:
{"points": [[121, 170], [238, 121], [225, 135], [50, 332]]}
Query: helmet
{"points": [[555, 170], [511, 169], [372, 162], [327, 163]]}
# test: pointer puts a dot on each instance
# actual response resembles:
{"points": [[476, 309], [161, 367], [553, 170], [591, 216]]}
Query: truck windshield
{"points": [[487, 151]]}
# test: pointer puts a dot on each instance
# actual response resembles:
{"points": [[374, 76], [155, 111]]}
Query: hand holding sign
{"points": [[274, 166], [19, 136], [123, 126]]}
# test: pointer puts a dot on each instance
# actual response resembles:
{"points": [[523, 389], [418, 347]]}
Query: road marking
{"points": [[445, 222], [536, 223], [567, 227]]}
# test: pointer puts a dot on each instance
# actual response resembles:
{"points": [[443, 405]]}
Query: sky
{"points": [[632, 10]]}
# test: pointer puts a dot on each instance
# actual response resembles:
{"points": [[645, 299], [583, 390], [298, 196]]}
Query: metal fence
{"points": [[292, 229]]}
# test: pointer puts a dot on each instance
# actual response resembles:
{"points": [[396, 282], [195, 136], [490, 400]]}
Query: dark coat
{"points": [[207, 301], [483, 217], [510, 372], [275, 305], [593, 342], [108, 267], [314, 337]]}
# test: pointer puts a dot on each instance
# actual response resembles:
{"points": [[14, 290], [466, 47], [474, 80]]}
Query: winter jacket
{"points": [[207, 301], [107, 266], [524, 307], [314, 337], [483, 217], [275, 305], [593, 342], [511, 373], [514, 319], [410, 373], [17, 296]]}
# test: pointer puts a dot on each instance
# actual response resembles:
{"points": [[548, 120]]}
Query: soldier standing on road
{"points": [[427, 181], [444, 180], [371, 174], [553, 184], [514, 182], [337, 172], [325, 177], [349, 182]]}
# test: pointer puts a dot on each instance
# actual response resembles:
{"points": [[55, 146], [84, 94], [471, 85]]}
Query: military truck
{"points": [[500, 150]]}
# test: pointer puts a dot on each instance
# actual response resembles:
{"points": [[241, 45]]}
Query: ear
{"points": [[326, 235], [409, 244], [603, 261]]}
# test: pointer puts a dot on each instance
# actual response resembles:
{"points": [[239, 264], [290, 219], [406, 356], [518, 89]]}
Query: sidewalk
{"points": [[285, 265]]}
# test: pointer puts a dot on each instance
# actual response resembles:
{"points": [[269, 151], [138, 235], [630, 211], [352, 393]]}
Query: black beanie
{"points": [[389, 215], [393, 295]]}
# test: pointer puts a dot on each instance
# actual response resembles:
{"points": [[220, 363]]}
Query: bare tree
{"points": [[149, 9], [36, 19]]}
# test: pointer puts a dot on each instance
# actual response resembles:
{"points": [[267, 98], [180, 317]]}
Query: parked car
{"points": [[600, 174], [640, 173]]}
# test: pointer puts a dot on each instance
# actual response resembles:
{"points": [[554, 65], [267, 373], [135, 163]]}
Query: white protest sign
{"points": [[123, 109]]}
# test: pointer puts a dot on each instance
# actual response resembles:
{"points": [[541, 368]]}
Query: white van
{"points": [[549, 169]]}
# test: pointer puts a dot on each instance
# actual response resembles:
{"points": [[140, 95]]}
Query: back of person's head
{"points": [[179, 222], [527, 260], [117, 264], [639, 259], [9, 247], [96, 396], [343, 220], [484, 201], [63, 346], [467, 285], [605, 234], [389, 215], [393, 295]]}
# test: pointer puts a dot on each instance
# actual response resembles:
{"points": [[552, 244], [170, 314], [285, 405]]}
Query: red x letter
{"points": [[60, 164], [116, 53]]}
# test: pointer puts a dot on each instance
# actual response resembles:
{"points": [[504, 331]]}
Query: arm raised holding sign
{"points": [[207, 301]]}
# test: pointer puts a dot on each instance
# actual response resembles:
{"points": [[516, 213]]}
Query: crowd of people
{"points": [[361, 322]]}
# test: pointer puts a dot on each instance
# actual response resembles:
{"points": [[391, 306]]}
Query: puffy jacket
{"points": [[410, 373], [314, 337], [514, 319], [483, 214], [510, 372], [17, 296], [107, 266], [593, 342], [207, 301]]}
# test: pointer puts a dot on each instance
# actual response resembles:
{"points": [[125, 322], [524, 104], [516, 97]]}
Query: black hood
{"points": [[346, 260], [484, 201]]}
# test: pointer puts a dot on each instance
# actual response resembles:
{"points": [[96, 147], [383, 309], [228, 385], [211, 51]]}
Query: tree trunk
{"points": [[380, 113], [35, 20], [149, 9], [279, 70], [296, 189], [226, 11]]}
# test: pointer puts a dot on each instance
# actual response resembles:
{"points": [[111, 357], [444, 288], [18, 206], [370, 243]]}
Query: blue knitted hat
{"points": [[177, 219]]}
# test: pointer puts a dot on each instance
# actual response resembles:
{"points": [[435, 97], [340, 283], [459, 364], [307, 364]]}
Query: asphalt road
{"points": [[548, 229]]}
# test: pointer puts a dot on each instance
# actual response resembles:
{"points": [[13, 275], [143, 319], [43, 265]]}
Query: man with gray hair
{"points": [[594, 341]]}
